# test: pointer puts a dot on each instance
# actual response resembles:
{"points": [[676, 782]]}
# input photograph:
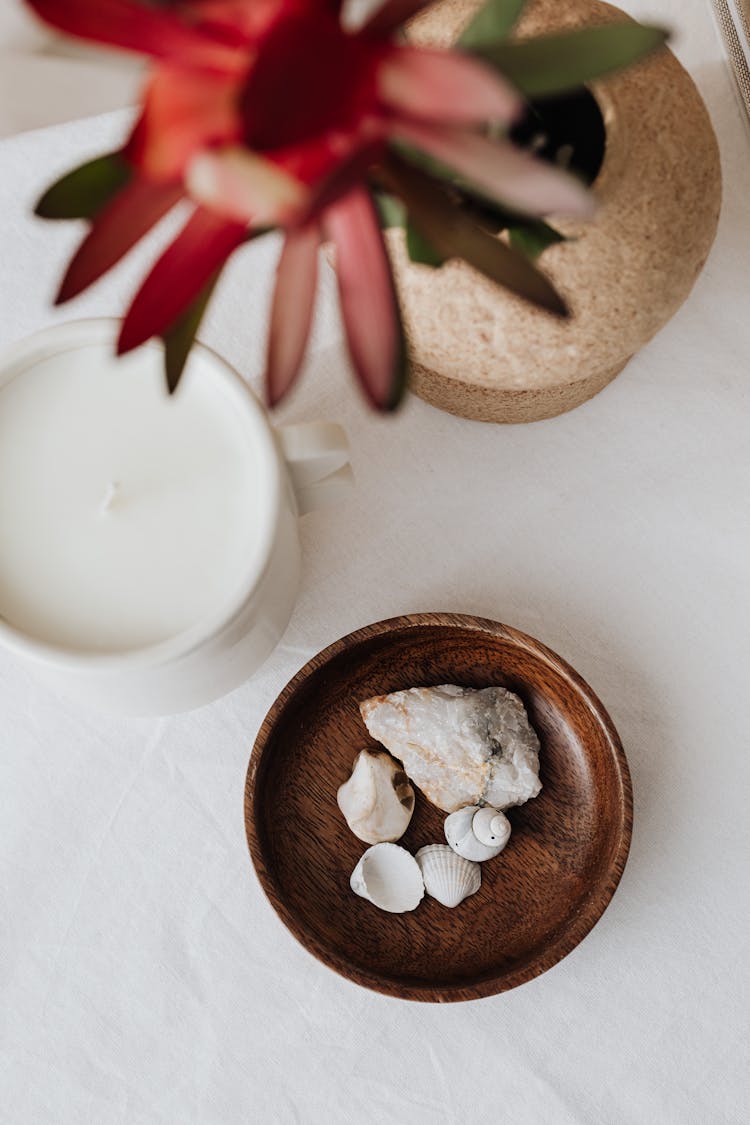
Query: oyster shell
{"points": [[477, 833], [459, 745], [389, 877], [377, 801], [448, 877]]}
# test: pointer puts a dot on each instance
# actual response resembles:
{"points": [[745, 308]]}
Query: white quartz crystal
{"points": [[460, 746]]}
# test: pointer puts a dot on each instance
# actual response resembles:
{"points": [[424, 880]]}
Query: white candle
{"points": [[126, 518], [149, 547]]}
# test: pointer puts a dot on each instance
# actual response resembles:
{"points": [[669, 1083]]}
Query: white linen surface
{"points": [[145, 979], [46, 78]]}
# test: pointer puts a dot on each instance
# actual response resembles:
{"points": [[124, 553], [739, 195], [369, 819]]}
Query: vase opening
{"points": [[568, 130]]}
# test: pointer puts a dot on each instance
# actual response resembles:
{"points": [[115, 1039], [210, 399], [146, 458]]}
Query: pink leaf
{"points": [[368, 298], [292, 310], [204, 243], [445, 86], [137, 207], [390, 15], [136, 27], [245, 186], [504, 172]]}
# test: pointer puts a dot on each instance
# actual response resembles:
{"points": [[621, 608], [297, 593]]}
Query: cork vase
{"points": [[478, 351]]}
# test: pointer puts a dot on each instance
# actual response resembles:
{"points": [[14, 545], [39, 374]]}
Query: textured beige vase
{"points": [[478, 351]]}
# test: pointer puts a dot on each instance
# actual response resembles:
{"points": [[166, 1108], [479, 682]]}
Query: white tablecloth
{"points": [[146, 980], [46, 78]]}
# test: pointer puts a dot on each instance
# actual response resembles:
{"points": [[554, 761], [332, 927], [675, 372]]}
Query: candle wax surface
{"points": [[126, 516]]}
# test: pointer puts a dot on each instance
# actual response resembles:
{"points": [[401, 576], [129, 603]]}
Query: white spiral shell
{"points": [[477, 833], [448, 877]]}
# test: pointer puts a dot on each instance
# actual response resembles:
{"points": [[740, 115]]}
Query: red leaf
{"points": [[292, 310], [115, 229], [348, 173], [136, 27], [330, 157], [389, 17], [310, 78], [204, 243], [234, 21], [368, 298], [504, 172], [445, 86], [242, 22], [183, 112]]}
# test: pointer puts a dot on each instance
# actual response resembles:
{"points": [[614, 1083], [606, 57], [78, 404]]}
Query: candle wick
{"points": [[109, 497]]}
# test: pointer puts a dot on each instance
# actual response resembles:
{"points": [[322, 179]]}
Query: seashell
{"points": [[377, 801], [491, 827], [477, 833], [389, 877], [448, 877], [461, 746]]}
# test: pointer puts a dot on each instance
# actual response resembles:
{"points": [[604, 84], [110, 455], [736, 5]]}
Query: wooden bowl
{"points": [[537, 900]]}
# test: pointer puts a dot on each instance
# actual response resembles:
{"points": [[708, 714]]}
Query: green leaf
{"points": [[551, 64], [402, 365], [532, 237], [420, 250], [485, 212], [454, 235], [85, 190], [491, 23], [180, 337], [391, 211], [529, 236]]}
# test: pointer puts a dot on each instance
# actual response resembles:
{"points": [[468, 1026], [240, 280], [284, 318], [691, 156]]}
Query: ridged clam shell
{"points": [[448, 877], [389, 877]]}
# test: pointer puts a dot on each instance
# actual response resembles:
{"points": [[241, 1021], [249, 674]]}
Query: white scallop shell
{"points": [[377, 801], [448, 877], [477, 833], [389, 877]]}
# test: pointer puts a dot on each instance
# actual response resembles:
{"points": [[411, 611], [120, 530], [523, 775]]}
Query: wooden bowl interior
{"points": [[537, 899]]}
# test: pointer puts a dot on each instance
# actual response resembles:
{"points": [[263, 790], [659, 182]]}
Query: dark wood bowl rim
{"points": [[578, 928]]}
